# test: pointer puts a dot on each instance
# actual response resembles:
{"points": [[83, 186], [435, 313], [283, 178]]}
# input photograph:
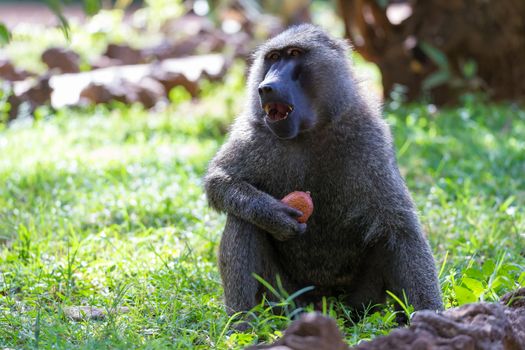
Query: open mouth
{"points": [[276, 111]]}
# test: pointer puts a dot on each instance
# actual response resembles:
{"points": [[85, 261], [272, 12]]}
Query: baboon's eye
{"points": [[273, 56], [295, 52]]}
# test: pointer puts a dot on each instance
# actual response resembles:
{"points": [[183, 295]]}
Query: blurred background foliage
{"points": [[435, 50]]}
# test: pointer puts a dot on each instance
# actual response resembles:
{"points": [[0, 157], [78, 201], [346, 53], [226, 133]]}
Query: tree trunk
{"points": [[441, 47]]}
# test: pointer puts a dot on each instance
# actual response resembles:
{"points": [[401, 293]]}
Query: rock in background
{"points": [[192, 48], [62, 59]]}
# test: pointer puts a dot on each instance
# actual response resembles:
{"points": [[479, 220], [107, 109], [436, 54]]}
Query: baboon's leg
{"points": [[410, 269], [368, 286], [245, 250]]}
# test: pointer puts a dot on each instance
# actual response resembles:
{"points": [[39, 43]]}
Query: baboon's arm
{"points": [[229, 190]]}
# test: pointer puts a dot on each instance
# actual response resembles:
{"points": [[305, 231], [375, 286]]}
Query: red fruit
{"points": [[300, 201]]}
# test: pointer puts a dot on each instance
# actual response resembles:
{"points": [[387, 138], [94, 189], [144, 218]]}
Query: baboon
{"points": [[307, 126]]}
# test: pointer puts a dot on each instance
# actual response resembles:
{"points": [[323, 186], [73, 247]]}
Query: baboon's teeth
{"points": [[277, 111]]}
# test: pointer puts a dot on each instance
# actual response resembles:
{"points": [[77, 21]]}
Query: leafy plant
{"points": [[443, 74], [465, 80], [5, 35]]}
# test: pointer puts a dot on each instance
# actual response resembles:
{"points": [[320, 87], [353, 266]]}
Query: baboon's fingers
{"points": [[292, 211]]}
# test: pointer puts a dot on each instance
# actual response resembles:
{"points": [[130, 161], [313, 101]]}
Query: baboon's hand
{"points": [[279, 219]]}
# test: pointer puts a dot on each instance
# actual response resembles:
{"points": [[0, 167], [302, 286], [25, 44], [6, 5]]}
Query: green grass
{"points": [[105, 207]]}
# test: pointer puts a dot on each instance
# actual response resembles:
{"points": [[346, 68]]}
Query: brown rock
{"points": [[241, 43], [311, 331], [214, 76], [35, 94], [64, 60], [171, 79], [211, 42], [515, 313], [96, 93], [9, 72], [124, 54], [479, 326], [150, 92], [482, 326], [104, 62], [200, 43], [182, 48], [171, 72], [188, 25], [14, 103], [39, 93]]}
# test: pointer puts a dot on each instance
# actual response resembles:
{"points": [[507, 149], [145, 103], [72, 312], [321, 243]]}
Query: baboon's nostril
{"points": [[264, 89]]}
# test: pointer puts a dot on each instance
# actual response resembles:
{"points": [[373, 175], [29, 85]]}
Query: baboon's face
{"points": [[282, 92], [300, 81]]}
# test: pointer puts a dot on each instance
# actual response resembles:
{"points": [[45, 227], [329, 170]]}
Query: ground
{"points": [[104, 206]]}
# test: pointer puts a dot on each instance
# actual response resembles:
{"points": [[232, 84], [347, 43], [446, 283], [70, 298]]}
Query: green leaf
{"points": [[464, 295], [122, 4], [179, 94], [91, 7], [505, 205], [474, 285], [267, 285], [436, 55], [521, 279], [242, 338], [382, 3], [470, 69], [473, 272], [488, 267], [294, 295], [407, 308], [56, 7], [5, 35], [443, 264], [496, 282], [436, 79]]}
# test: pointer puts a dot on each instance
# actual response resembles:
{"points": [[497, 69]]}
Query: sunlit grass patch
{"points": [[105, 207]]}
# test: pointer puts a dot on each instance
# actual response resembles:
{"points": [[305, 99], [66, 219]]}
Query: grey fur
{"points": [[364, 236]]}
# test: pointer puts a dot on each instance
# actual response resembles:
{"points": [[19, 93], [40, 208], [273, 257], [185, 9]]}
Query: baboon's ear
{"points": [[340, 45]]}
